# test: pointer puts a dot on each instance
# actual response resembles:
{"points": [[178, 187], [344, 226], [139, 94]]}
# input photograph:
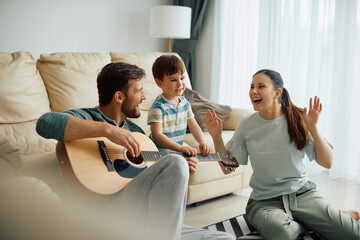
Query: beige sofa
{"points": [[61, 81]]}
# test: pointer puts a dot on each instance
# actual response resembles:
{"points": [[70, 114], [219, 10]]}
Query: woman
{"points": [[283, 203]]}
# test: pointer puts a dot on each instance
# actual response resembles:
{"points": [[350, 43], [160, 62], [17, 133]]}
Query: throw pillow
{"points": [[200, 105]]}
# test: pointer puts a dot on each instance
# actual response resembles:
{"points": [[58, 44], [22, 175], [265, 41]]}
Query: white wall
{"points": [[47, 26]]}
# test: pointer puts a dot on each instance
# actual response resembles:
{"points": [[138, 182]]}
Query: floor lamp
{"points": [[170, 22]]}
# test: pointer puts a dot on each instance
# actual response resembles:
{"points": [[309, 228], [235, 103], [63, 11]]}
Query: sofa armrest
{"points": [[231, 122]]}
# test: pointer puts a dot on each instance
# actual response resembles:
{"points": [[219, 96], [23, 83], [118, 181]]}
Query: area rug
{"points": [[240, 227]]}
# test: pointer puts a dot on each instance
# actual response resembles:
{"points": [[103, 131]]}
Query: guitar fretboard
{"points": [[154, 156]]}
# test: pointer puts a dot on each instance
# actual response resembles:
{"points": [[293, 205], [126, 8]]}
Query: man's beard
{"points": [[129, 111]]}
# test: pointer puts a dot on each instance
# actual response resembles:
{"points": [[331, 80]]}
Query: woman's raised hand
{"points": [[213, 123], [311, 118]]}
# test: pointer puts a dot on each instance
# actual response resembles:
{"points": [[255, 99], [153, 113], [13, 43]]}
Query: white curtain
{"points": [[313, 44]]}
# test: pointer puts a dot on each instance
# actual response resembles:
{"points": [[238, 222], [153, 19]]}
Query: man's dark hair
{"points": [[167, 65], [115, 77]]}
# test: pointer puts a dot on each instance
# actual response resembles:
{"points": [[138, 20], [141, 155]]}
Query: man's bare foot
{"points": [[353, 214]]}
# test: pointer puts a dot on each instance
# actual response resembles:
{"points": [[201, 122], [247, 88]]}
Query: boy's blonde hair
{"points": [[166, 65]]}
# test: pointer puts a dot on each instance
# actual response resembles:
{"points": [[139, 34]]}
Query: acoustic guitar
{"points": [[95, 169]]}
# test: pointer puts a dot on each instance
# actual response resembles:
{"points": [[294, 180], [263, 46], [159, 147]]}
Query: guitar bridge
{"points": [[105, 156]]}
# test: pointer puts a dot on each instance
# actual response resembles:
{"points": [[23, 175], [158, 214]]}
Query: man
{"points": [[152, 205]]}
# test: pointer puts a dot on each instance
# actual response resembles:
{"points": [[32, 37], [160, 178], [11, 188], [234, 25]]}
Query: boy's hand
{"points": [[192, 161], [205, 149], [188, 150]]}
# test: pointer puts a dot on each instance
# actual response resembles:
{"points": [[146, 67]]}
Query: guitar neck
{"points": [[154, 156]]}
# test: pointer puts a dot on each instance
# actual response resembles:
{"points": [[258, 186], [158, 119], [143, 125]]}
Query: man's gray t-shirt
{"points": [[277, 163]]}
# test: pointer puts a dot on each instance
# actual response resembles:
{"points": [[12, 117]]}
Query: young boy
{"points": [[171, 113]]}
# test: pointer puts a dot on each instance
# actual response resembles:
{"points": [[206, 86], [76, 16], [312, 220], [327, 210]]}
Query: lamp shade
{"points": [[170, 22]]}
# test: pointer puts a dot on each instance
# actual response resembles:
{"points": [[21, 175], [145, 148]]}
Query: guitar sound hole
{"points": [[135, 160]]}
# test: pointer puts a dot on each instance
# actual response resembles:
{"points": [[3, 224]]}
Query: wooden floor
{"points": [[344, 195]]}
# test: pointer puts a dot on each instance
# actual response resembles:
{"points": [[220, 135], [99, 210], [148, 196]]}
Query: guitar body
{"points": [[94, 169], [83, 169]]}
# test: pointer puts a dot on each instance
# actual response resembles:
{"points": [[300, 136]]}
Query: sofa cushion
{"points": [[145, 60], [10, 152], [70, 78], [23, 95], [10, 158], [214, 188], [26, 138]]}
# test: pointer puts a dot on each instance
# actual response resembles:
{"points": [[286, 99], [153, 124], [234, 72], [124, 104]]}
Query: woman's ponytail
{"points": [[296, 126]]}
